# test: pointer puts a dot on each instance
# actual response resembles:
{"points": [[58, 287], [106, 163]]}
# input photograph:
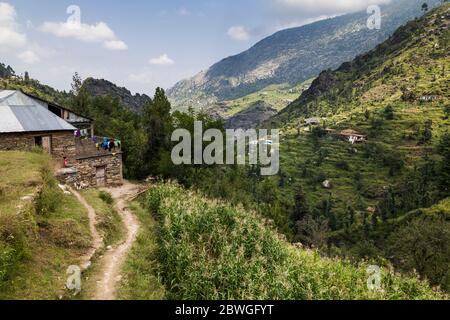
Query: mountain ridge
{"points": [[102, 87], [291, 56]]}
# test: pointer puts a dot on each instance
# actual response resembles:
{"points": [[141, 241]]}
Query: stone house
{"points": [[27, 122]]}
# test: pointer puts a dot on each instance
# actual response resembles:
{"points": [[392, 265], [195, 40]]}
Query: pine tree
{"points": [[301, 208], [80, 96], [158, 125], [351, 215]]}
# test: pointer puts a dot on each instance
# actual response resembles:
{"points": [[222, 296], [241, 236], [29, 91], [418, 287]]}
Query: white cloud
{"points": [[238, 33], [28, 57], [96, 33], [10, 36], [305, 11], [115, 45], [162, 60], [7, 13]]}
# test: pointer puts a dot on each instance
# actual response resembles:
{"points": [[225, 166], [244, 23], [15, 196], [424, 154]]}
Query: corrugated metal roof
{"points": [[20, 113]]}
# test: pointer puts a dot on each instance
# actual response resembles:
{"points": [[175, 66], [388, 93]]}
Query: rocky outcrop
{"points": [[101, 87], [6, 71]]}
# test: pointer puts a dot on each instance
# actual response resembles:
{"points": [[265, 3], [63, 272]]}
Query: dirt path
{"points": [[97, 240], [111, 263]]}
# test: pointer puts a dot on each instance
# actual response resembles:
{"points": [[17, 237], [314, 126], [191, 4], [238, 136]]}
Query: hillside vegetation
{"points": [[398, 96], [211, 250]]}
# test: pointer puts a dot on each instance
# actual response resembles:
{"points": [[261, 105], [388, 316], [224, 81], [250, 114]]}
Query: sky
{"points": [[142, 44]]}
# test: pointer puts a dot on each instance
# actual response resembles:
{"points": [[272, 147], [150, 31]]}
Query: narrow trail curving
{"points": [[112, 261], [97, 240]]}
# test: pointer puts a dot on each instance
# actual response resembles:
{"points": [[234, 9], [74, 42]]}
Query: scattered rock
{"points": [[327, 184], [298, 245], [28, 197]]}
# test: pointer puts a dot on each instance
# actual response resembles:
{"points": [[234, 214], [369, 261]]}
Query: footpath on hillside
{"points": [[108, 273]]}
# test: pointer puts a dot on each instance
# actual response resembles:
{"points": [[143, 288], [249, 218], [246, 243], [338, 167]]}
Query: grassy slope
{"points": [[44, 245], [210, 250]]}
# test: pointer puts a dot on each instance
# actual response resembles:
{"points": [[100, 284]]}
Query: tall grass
{"points": [[210, 250]]}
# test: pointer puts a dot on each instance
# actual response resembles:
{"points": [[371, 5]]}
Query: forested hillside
{"points": [[397, 96]]}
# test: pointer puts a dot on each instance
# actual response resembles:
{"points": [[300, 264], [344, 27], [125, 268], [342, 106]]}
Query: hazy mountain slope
{"points": [[257, 113], [390, 72], [101, 87], [292, 56]]}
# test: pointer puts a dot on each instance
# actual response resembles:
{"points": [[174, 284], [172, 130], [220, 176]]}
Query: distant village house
{"points": [[312, 121], [27, 122], [352, 136]]}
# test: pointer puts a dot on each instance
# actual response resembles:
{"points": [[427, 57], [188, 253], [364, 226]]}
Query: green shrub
{"points": [[48, 200], [423, 245], [7, 259], [106, 197], [343, 165], [49, 197], [389, 113]]}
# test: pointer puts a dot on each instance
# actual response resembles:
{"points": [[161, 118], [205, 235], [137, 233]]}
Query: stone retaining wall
{"points": [[87, 170]]}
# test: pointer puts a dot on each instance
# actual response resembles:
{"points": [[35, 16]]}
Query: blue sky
{"points": [[142, 44]]}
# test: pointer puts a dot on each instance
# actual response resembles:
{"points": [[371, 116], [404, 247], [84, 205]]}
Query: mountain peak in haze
{"points": [[292, 55], [102, 87]]}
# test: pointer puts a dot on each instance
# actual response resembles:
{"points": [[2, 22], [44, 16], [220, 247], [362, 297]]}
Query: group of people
{"points": [[101, 143], [108, 144]]}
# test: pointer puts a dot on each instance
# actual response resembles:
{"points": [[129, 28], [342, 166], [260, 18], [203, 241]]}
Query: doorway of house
{"points": [[45, 142], [100, 176]]}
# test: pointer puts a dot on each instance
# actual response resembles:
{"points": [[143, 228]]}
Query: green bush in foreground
{"points": [[210, 250]]}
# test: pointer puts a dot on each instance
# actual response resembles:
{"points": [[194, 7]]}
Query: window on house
{"points": [[38, 141]]}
